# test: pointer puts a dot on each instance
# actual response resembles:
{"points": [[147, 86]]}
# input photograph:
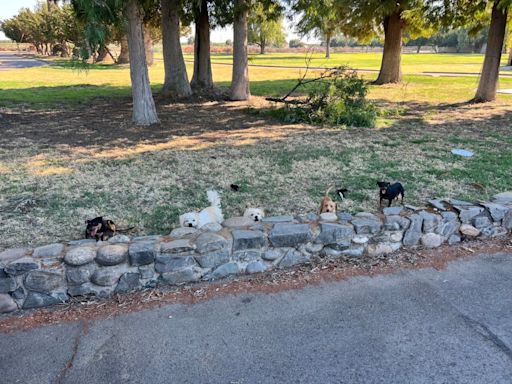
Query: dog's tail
{"points": [[213, 198], [329, 190]]}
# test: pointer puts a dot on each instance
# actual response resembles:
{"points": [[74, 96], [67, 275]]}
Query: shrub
{"points": [[295, 43], [337, 97]]}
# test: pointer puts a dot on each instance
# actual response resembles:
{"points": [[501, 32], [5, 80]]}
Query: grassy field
{"points": [[69, 152]]}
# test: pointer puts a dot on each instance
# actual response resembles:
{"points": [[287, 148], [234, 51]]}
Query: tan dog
{"points": [[327, 204]]}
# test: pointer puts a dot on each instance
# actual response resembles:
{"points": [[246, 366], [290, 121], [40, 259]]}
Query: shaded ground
{"points": [[59, 167], [412, 326]]}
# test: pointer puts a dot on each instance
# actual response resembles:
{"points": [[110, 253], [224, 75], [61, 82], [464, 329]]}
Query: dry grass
{"points": [[59, 167]]}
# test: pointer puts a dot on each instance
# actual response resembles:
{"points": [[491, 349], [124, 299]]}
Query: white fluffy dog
{"points": [[255, 214], [211, 214]]}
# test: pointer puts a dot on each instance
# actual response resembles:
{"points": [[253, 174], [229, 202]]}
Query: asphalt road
{"points": [[422, 326], [10, 60]]}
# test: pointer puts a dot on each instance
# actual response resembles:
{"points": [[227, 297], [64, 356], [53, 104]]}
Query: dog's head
{"points": [[383, 185], [189, 219], [327, 205], [94, 226], [255, 214]]}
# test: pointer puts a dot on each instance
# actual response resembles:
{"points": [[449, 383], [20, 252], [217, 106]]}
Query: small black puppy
{"points": [[390, 191], [99, 229]]}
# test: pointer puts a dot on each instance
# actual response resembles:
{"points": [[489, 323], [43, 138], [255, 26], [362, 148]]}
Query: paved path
{"points": [[423, 326], [11, 60]]}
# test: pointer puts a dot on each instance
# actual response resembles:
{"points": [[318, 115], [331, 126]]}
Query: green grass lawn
{"points": [[411, 62], [69, 152]]}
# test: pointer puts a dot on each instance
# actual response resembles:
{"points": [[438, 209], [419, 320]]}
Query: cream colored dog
{"points": [[255, 214], [211, 214]]}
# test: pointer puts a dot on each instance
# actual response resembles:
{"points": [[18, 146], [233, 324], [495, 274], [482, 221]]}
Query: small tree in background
{"points": [[266, 26]]}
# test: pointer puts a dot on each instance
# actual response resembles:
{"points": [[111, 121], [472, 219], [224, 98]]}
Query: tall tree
{"points": [[488, 84], [176, 80], [202, 75], [99, 14], [240, 77], [266, 25]]}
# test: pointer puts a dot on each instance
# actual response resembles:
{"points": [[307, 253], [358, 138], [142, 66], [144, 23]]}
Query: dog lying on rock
{"points": [[99, 229], [211, 214], [255, 214]]}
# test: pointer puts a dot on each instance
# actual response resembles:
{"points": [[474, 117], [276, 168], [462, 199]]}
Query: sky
{"points": [[9, 8]]}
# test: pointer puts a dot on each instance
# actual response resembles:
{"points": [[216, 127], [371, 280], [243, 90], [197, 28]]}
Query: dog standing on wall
{"points": [[211, 214]]}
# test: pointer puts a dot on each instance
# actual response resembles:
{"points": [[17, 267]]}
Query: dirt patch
{"points": [[85, 310]]}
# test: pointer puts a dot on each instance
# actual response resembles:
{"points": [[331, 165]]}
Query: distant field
{"points": [[62, 83], [412, 63]]}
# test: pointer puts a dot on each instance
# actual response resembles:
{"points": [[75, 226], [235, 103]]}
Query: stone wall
{"points": [[51, 274]]}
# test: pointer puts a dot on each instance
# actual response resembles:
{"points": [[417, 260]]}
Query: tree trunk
{"points": [[327, 46], [418, 49], [240, 79], [390, 70], [509, 60], [102, 54], [144, 111], [491, 70], [202, 76], [263, 44], [176, 80], [148, 48], [124, 55]]}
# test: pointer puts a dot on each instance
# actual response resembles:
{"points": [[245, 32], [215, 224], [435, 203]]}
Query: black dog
{"points": [[99, 229], [390, 192]]}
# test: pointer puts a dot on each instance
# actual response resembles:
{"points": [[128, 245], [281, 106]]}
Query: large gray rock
{"points": [[492, 231], [273, 254], [223, 271], [180, 246], [82, 242], [119, 239], [143, 252], [247, 255], [183, 276], [7, 284], [147, 271], [245, 239], [355, 251], [184, 232], [21, 266], [278, 219], [389, 236], [438, 204], [170, 263], [237, 222], [432, 240], [212, 227], [107, 276], [128, 282], [481, 221], [289, 235], [392, 211], [497, 211], [90, 289], [255, 267], [80, 256], [210, 242], [447, 229], [293, 257], [51, 250], [413, 234], [334, 233], [38, 299], [212, 259], [366, 225], [12, 254], [503, 198], [381, 249], [328, 216], [44, 282], [7, 304], [112, 254], [81, 274], [344, 216], [466, 213], [454, 239], [507, 221], [430, 221], [395, 223], [449, 216]]}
